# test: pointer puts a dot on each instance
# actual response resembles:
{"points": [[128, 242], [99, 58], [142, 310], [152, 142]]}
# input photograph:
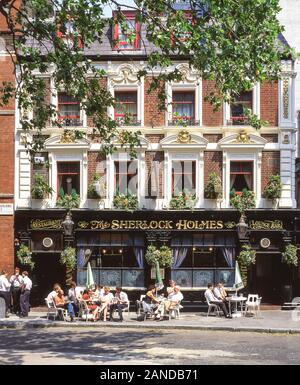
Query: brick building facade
{"points": [[174, 158]]}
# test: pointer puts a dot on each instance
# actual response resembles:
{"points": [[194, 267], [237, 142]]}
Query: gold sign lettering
{"points": [[45, 224], [266, 225]]}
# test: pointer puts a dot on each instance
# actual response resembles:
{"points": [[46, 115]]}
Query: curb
{"points": [[61, 324]]}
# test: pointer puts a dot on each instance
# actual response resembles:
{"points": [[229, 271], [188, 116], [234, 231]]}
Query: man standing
{"points": [[16, 282], [120, 302], [5, 291], [25, 294]]}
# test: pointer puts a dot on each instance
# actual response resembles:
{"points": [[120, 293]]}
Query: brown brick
{"points": [[213, 161], [210, 118], [152, 115], [271, 138], [96, 164], [154, 174], [213, 138], [154, 138], [269, 102], [270, 165]]}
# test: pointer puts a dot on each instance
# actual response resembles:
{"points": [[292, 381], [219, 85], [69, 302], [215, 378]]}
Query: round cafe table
{"points": [[235, 300]]}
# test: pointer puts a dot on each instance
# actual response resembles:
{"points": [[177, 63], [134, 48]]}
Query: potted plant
{"points": [[40, 190], [159, 258], [128, 202], [246, 258], [213, 188], [68, 201], [24, 256], [242, 201], [97, 187], [290, 257], [273, 189], [182, 201], [68, 259]]}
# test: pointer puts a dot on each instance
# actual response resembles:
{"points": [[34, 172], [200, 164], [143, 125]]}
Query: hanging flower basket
{"points": [[24, 256]]}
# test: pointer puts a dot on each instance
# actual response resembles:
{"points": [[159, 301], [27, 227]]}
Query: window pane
{"points": [[201, 278], [133, 278], [111, 278], [182, 277]]}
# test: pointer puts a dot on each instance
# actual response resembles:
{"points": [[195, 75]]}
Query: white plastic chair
{"points": [[174, 312], [253, 304], [51, 310], [212, 306]]}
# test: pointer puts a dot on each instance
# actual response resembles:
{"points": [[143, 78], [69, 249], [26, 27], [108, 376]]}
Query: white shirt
{"points": [[175, 297], [217, 293], [74, 294], [107, 297], [16, 280], [51, 296], [122, 297], [4, 284], [27, 282], [210, 296]]}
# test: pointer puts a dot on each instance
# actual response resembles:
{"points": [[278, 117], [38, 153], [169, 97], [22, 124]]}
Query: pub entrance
{"points": [[269, 276]]}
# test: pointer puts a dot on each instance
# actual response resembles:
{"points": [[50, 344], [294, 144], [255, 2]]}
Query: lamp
{"points": [[242, 227], [68, 224]]}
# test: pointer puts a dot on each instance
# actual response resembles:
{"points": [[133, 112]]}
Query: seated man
{"points": [[173, 300], [74, 295], [120, 302], [209, 295], [172, 284], [220, 293], [60, 302], [106, 300], [151, 302]]}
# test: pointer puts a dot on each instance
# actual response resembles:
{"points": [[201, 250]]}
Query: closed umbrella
{"points": [[158, 280], [89, 277], [238, 282]]}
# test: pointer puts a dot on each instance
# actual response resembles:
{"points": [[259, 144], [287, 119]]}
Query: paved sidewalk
{"points": [[270, 321]]}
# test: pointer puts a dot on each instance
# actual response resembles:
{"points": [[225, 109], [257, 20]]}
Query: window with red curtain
{"points": [[244, 100], [126, 107], [68, 110], [126, 177], [68, 177], [67, 32], [183, 105], [129, 38], [183, 176], [241, 176]]}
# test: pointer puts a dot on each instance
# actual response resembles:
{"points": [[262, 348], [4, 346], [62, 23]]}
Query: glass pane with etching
{"points": [[183, 278], [202, 277], [133, 278], [225, 276], [81, 277], [110, 277]]}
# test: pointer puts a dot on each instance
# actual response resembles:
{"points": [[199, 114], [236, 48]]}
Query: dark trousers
{"points": [[16, 292], [117, 306], [6, 296], [222, 306], [24, 302]]}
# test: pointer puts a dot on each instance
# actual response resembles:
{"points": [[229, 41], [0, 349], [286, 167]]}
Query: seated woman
{"points": [[60, 302], [90, 304], [106, 299], [173, 300], [151, 302]]}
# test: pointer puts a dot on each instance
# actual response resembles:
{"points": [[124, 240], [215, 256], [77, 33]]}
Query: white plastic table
{"points": [[236, 300]]}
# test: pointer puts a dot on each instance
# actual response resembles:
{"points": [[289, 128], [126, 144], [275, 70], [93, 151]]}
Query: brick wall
{"points": [[271, 138], [270, 165], [210, 118], [7, 125], [152, 115], [154, 138], [213, 161], [103, 83], [154, 173], [269, 102], [213, 138], [96, 164]]}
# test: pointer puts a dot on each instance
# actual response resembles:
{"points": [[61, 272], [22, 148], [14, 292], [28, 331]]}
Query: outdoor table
{"points": [[236, 300]]}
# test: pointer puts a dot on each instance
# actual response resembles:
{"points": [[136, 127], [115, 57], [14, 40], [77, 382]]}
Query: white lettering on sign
{"points": [[6, 209]]}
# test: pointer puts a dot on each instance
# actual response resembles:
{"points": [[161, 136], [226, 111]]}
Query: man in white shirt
{"points": [[25, 294], [16, 281], [174, 298], [5, 290], [119, 302], [220, 294], [53, 293], [210, 297]]}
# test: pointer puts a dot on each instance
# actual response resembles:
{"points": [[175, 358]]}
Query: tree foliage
{"points": [[230, 42]]}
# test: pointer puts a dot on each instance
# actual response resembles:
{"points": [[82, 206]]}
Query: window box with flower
{"points": [[183, 201]]}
